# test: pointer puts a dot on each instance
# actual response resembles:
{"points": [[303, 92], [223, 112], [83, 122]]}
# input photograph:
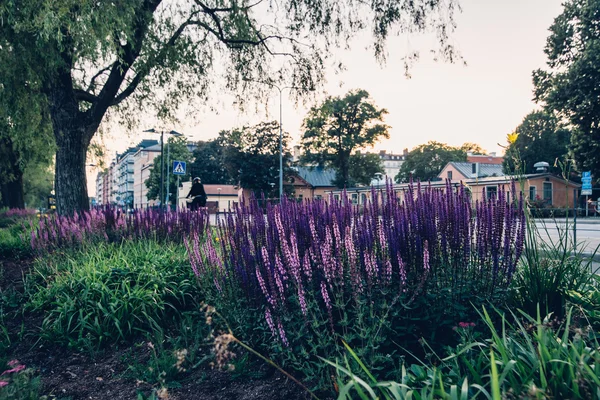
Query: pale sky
{"points": [[502, 42]]}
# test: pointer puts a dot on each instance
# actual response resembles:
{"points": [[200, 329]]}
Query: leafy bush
{"points": [[534, 359], [111, 293], [380, 277], [12, 245]]}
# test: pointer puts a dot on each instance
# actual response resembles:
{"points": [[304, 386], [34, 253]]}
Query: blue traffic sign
{"points": [[179, 167], [586, 183]]}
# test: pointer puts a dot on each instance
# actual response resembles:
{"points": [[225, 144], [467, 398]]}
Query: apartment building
{"points": [[143, 160]]}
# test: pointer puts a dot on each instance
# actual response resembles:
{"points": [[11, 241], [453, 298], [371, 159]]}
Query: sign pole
{"points": [[586, 205], [177, 195]]}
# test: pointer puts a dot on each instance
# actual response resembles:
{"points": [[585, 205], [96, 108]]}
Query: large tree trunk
{"points": [[70, 178], [73, 134], [13, 191]]}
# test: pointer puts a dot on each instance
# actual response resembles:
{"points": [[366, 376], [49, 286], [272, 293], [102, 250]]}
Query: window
{"points": [[336, 196], [450, 175], [363, 198], [354, 198], [532, 193], [318, 197], [491, 192], [548, 192]]}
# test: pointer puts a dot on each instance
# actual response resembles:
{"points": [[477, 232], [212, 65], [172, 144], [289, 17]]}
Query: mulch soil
{"points": [[66, 374]]}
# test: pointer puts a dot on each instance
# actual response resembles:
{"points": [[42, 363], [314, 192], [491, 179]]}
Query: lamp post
{"points": [[162, 160]]}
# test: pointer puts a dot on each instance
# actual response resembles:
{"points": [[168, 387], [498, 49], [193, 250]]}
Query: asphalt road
{"points": [[587, 231]]}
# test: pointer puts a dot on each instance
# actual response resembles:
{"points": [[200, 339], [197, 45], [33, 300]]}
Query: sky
{"points": [[501, 41]]}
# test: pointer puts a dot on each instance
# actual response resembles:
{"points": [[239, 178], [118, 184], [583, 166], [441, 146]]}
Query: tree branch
{"points": [[92, 84], [83, 95]]}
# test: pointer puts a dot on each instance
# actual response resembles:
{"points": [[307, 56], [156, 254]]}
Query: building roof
{"points": [[485, 170], [317, 176], [154, 147]]}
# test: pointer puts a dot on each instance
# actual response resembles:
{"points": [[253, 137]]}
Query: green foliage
{"points": [[569, 86], [209, 163], [177, 150], [587, 297], [91, 299], [22, 385], [550, 269], [362, 168], [426, 161], [338, 127], [473, 148], [540, 137], [251, 157], [13, 244], [529, 359], [166, 355]]}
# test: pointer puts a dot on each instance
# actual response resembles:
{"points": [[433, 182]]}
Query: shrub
{"points": [[18, 382], [379, 277], [535, 359], [110, 225], [12, 245], [95, 298]]}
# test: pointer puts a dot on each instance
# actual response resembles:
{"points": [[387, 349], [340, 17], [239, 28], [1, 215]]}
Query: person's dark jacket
{"points": [[197, 190]]}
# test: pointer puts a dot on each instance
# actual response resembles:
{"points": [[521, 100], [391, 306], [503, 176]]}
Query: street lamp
{"points": [[162, 159]]}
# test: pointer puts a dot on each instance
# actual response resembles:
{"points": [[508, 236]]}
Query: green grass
{"points": [[110, 293]]}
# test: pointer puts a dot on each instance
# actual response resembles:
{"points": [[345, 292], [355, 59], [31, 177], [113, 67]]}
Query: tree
{"points": [[26, 141], [473, 148], [209, 163], [570, 85], [540, 137], [91, 57], [362, 168], [176, 150], [338, 127], [426, 161], [252, 157]]}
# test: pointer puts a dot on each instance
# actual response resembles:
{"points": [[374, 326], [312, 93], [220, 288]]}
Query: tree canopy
{"points": [[540, 137], [209, 163], [89, 57], [338, 127], [569, 86], [426, 161], [26, 141], [251, 157], [362, 169]]}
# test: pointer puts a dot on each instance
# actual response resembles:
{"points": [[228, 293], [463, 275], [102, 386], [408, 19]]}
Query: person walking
{"points": [[197, 194]]}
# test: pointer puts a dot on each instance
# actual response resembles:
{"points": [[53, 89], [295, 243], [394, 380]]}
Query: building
{"points": [[391, 163], [542, 190], [100, 188], [313, 182], [460, 171], [124, 179], [142, 164], [484, 159], [111, 188]]}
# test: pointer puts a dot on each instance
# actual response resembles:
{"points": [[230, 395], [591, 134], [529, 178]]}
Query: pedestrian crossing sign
{"points": [[178, 167]]}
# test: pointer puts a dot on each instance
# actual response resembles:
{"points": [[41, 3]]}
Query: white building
{"points": [[142, 164]]}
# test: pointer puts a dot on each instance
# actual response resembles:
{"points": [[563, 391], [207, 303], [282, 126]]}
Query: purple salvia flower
{"points": [[269, 319], [282, 334]]}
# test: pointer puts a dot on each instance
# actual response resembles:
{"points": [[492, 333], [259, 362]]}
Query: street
{"points": [[587, 230]]}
